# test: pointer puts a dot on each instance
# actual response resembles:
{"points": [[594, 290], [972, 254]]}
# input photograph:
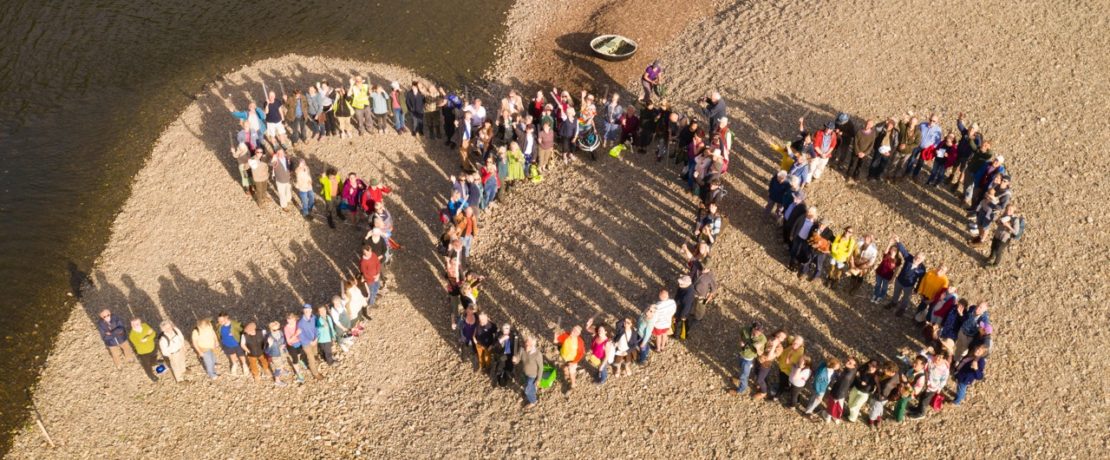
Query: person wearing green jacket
{"points": [[329, 191], [143, 339]]}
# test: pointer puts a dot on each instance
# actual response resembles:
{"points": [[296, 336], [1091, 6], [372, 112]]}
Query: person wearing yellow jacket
{"points": [[794, 350], [144, 339], [841, 249], [360, 102], [934, 281]]}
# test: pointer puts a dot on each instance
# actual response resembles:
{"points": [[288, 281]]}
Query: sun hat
{"points": [[841, 118], [684, 281], [830, 125], [374, 182], [395, 85]]}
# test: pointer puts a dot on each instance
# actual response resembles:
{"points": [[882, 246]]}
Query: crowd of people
{"points": [[896, 151], [518, 147]]}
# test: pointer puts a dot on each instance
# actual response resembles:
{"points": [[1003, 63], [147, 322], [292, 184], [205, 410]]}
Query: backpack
{"points": [[1019, 227]]}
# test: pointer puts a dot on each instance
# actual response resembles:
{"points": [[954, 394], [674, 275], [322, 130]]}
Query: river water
{"points": [[88, 86]]}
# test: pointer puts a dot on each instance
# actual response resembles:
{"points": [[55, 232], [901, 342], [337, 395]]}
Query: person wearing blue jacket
{"points": [[968, 371], [113, 331], [257, 122], [778, 187], [913, 269], [823, 377]]}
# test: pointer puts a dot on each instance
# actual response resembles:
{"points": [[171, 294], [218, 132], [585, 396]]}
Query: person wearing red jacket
{"points": [[373, 195], [824, 144]]}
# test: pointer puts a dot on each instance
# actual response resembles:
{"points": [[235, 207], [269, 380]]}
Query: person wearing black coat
{"points": [[686, 299], [506, 352], [839, 390]]}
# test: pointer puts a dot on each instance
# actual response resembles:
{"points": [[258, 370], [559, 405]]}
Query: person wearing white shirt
{"points": [[172, 346], [664, 312]]}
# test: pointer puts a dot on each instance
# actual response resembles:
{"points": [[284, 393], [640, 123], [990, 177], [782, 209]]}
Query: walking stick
{"points": [[38, 420]]}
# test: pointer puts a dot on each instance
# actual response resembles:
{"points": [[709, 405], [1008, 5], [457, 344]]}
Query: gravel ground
{"points": [[598, 238]]}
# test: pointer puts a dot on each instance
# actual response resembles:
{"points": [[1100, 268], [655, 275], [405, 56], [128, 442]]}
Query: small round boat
{"points": [[613, 47]]}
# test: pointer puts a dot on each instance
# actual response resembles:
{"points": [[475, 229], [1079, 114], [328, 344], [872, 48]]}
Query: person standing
{"points": [[275, 352], [172, 347], [652, 77], [342, 111], [314, 104], [644, 325], [329, 191], [302, 181], [204, 342], [379, 106], [230, 332], [360, 102], [144, 338], [114, 334], [862, 146], [752, 343], [837, 398], [275, 119], [327, 335], [665, 310], [793, 352], [937, 371], [282, 178], [296, 111], [531, 361], [1004, 232], [260, 177], [571, 350], [886, 385], [799, 375], [371, 268], [823, 377], [484, 338], [254, 344], [309, 340], [862, 388], [913, 269], [506, 353], [433, 120], [969, 370], [684, 313], [397, 104], [846, 131], [414, 99], [824, 144], [771, 352]]}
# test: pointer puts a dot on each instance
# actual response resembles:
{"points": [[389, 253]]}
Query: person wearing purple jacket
{"points": [[913, 269], [349, 196], [114, 332]]}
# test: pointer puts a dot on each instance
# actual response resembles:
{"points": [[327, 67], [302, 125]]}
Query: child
{"points": [[886, 389], [799, 375], [905, 394]]}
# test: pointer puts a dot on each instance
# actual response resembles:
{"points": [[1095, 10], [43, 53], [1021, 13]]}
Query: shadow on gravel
{"points": [[564, 251]]}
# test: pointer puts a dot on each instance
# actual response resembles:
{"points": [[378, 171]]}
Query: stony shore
{"points": [[598, 238]]}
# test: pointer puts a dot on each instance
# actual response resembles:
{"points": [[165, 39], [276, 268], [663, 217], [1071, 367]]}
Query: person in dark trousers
{"points": [[837, 398], [913, 269], [414, 100], [531, 363], [685, 297], [506, 353]]}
